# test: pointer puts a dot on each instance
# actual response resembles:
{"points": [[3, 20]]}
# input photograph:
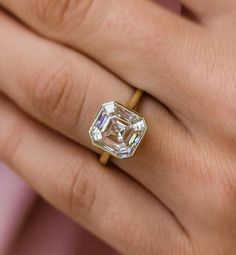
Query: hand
{"points": [[177, 195]]}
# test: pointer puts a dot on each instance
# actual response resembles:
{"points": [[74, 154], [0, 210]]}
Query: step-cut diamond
{"points": [[118, 130]]}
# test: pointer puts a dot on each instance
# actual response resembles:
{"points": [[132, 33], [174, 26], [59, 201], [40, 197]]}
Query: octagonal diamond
{"points": [[118, 130]]}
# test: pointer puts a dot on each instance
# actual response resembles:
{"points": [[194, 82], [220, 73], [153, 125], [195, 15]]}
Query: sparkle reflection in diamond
{"points": [[118, 130]]}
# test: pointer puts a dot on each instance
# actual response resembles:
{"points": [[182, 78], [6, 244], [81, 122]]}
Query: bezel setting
{"points": [[118, 130]]}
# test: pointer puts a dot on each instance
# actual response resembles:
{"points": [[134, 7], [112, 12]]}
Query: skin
{"points": [[177, 195]]}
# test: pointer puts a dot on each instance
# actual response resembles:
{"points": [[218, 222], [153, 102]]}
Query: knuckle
{"points": [[51, 12], [51, 92], [56, 13], [79, 192]]}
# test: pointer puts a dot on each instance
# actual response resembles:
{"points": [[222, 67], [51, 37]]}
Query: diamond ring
{"points": [[118, 129]]}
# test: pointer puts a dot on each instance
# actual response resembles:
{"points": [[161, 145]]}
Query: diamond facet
{"points": [[118, 130]]}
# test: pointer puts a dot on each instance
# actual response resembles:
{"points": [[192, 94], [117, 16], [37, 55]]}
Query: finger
{"points": [[140, 41], [71, 179], [59, 98]]}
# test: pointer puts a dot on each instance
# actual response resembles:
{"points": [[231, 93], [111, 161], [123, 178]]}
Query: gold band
{"points": [[131, 104]]}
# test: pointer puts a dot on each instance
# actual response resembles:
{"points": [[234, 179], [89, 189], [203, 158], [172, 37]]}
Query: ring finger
{"points": [[63, 89]]}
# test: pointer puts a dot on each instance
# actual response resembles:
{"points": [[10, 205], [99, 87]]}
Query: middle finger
{"points": [[138, 40]]}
